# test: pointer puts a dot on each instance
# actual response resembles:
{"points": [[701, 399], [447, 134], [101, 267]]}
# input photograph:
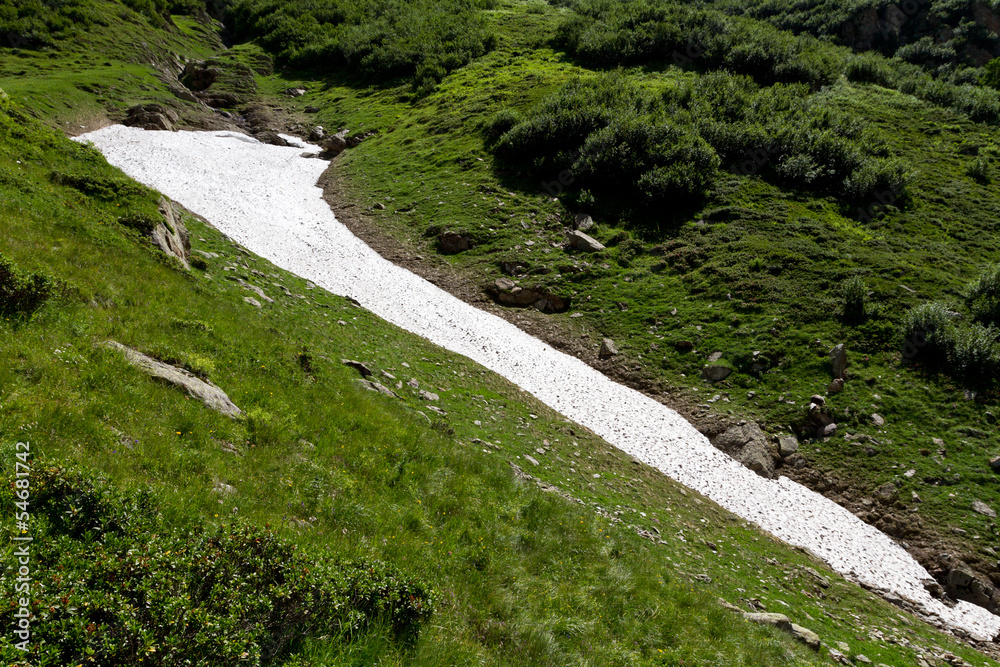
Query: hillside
{"points": [[749, 264]]}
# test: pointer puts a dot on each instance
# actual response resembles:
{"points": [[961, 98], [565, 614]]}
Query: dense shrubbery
{"points": [[984, 296], [114, 585], [608, 137], [22, 293], [379, 38]]}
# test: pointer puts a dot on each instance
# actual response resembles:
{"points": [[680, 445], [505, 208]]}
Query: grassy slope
{"points": [[780, 256], [524, 576]]}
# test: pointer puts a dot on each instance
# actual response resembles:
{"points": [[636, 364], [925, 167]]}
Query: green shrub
{"points": [[927, 333], [198, 262], [855, 294], [991, 74], [124, 588], [984, 296], [975, 353], [21, 293], [979, 168], [869, 68]]}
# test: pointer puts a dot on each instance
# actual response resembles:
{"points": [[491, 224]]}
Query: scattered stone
{"points": [[995, 463], [749, 445], [806, 636], [887, 491], [203, 390], [252, 301], [715, 356], [581, 241], [335, 144], [530, 460], [782, 622], [582, 222], [151, 117], [379, 206], [818, 400], [878, 420], [428, 395], [294, 92], [715, 372], [838, 361], [980, 507], [836, 386], [608, 349], [451, 243], [729, 606], [788, 445], [317, 134], [170, 235], [828, 431], [358, 366]]}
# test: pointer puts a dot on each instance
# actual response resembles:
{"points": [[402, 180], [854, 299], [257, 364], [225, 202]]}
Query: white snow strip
{"points": [[265, 197]]}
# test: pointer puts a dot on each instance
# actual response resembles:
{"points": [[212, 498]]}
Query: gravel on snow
{"points": [[265, 198]]}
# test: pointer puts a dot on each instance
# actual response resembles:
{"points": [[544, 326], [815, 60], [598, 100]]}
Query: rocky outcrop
{"points": [[452, 243], [580, 241], [749, 445], [171, 236], [508, 293], [151, 117], [203, 390]]}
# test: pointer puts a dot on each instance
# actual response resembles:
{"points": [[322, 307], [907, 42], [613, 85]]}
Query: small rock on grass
{"points": [[358, 366], [608, 349], [980, 507]]}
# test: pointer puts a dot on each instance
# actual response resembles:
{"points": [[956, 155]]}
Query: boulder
{"points": [[151, 117], [806, 636], [272, 138], [608, 349], [838, 361], [746, 443], [335, 144], [203, 390], [317, 133], [715, 372], [582, 222], [508, 293], [836, 386], [170, 235], [782, 622], [198, 75], [788, 445], [580, 241], [451, 243], [979, 507], [358, 366], [878, 420]]}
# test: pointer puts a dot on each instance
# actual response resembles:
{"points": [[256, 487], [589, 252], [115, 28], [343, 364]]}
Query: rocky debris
{"points": [[372, 385], [749, 445], [182, 93], [838, 361], [582, 222], [508, 293], [220, 100], [358, 366], [428, 395], [580, 241], [203, 390], [788, 445], [608, 349], [199, 75], [878, 420], [887, 491], [961, 582], [170, 235], [782, 622], [252, 301], [715, 372], [335, 144], [995, 463], [151, 117], [452, 243], [836, 386], [317, 134], [819, 422], [980, 507], [256, 290]]}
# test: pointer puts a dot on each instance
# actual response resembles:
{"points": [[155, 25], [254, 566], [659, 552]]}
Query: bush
{"points": [[979, 168], [927, 333], [975, 353], [984, 296], [869, 68], [124, 588], [855, 294], [21, 294]]}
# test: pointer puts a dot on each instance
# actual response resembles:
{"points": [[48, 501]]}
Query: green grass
{"points": [[522, 576]]}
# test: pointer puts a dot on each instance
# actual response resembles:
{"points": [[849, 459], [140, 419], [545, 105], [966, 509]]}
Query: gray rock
{"points": [[358, 366], [788, 445], [878, 420], [530, 460], [806, 636], [836, 386], [252, 301], [335, 144], [838, 361], [581, 241], [980, 507], [151, 117], [715, 356], [372, 385], [428, 395], [746, 443], [171, 236], [828, 431], [451, 243], [317, 134], [887, 491], [716, 372], [582, 222], [608, 349], [203, 390]]}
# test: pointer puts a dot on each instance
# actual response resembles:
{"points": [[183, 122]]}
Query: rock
{"points": [[294, 92], [182, 93], [335, 144], [582, 222], [171, 236], [151, 117], [372, 385], [203, 390], [358, 366], [531, 460], [728, 606], [608, 349], [198, 75], [980, 507], [223, 489], [317, 134], [838, 361], [767, 618], [451, 243], [746, 443], [818, 400], [252, 301], [716, 372], [836, 386], [878, 420], [887, 491], [580, 241], [311, 109], [788, 445], [995, 463], [428, 395], [272, 138], [828, 431], [715, 356], [806, 636]]}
